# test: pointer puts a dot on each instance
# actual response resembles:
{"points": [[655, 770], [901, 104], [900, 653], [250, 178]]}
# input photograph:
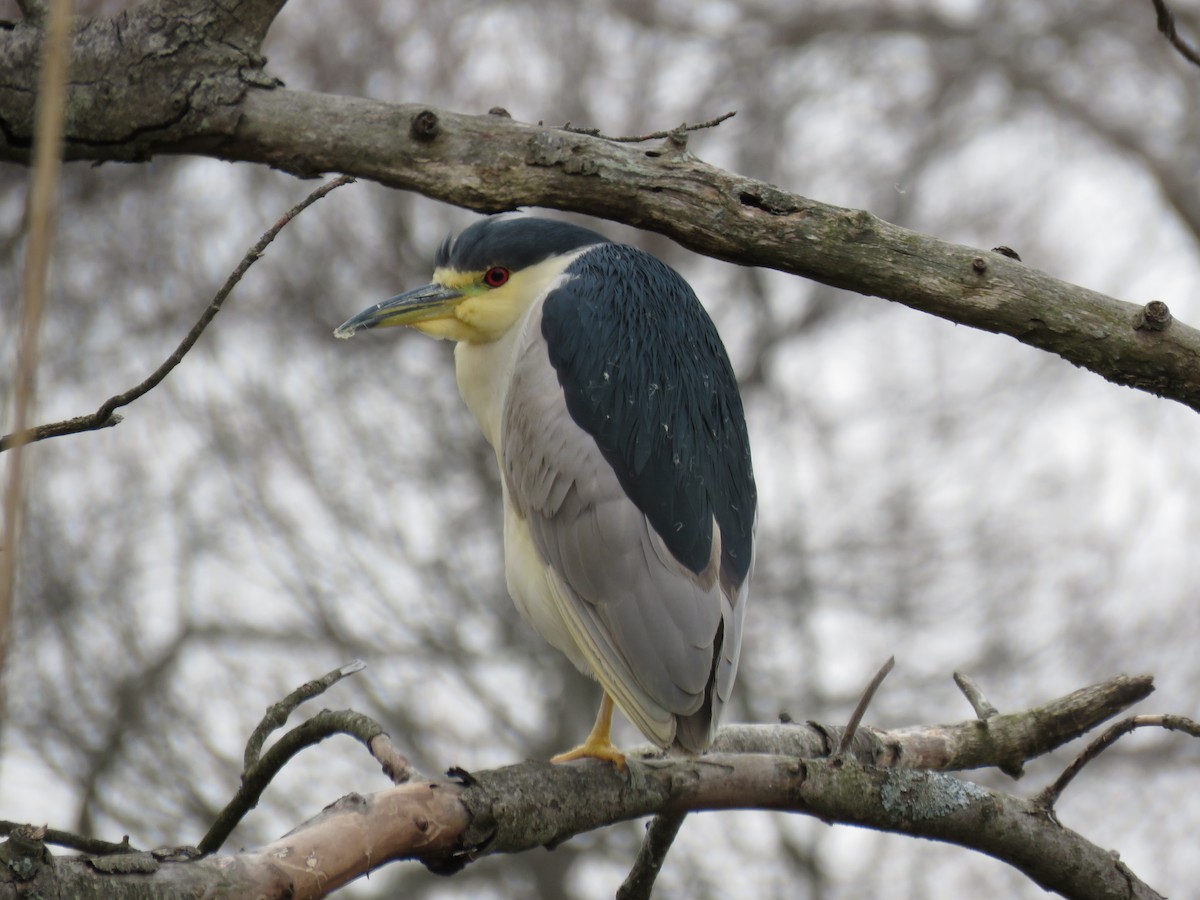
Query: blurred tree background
{"points": [[285, 502]]}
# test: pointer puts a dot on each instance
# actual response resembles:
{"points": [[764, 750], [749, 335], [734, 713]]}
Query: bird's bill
{"points": [[433, 301]]}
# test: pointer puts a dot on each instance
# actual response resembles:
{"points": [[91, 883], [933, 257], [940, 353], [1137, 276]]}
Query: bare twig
{"points": [[309, 733], [277, 714], [40, 214], [983, 708], [93, 846], [1048, 797], [672, 133], [986, 712], [660, 834], [1166, 24], [863, 702], [395, 764], [261, 768], [104, 416]]}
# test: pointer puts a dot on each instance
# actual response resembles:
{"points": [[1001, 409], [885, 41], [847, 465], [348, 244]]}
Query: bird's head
{"points": [[484, 281]]}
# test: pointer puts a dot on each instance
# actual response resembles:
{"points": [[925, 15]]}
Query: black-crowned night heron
{"points": [[629, 499]]}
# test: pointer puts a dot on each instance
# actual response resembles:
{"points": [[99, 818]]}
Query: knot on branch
{"points": [[1154, 316], [425, 126], [768, 198]]}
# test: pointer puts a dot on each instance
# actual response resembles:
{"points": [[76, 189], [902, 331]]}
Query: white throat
{"points": [[484, 372]]}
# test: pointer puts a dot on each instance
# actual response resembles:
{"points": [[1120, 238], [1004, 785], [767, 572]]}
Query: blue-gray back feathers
{"points": [[645, 374]]}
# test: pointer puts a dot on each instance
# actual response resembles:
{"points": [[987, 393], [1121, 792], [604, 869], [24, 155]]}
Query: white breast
{"points": [[484, 373]]}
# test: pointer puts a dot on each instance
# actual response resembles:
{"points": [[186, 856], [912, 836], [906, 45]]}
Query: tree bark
{"points": [[886, 782], [446, 824], [187, 77]]}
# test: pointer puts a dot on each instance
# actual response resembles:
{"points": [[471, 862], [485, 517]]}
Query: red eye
{"points": [[495, 276]]}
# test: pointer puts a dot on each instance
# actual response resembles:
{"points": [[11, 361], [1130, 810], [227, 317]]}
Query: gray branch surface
{"points": [[891, 780], [187, 77]]}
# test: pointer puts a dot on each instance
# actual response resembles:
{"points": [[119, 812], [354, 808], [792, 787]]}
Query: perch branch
{"points": [[447, 823]]}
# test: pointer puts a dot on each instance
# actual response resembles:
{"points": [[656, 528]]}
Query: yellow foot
{"points": [[598, 744], [589, 749]]}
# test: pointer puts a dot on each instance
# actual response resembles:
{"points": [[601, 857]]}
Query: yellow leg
{"points": [[599, 743]]}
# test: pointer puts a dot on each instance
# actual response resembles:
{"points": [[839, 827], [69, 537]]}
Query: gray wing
{"points": [[663, 640]]}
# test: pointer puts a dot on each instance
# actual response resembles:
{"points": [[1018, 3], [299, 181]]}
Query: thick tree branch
{"points": [[490, 163], [203, 90], [447, 823]]}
